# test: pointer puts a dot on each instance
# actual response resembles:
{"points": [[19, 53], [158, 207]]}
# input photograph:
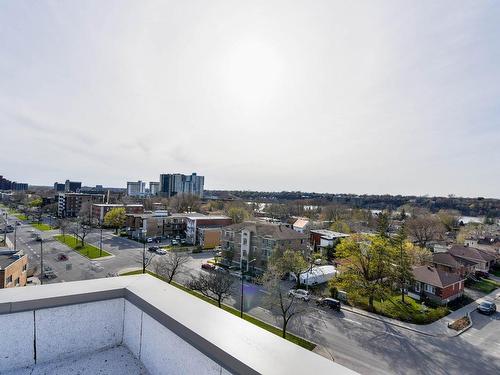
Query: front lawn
{"points": [[484, 285], [410, 311], [268, 327], [41, 226], [89, 251], [20, 216]]}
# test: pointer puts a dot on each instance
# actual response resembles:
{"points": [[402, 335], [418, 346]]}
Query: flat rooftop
{"points": [[137, 325]]}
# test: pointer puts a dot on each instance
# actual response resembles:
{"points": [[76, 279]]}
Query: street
{"points": [[361, 343]]}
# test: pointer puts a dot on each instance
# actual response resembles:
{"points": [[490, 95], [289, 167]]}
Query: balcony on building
{"points": [[137, 325]]}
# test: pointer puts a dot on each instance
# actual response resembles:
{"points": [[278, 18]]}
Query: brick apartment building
{"points": [[70, 204], [246, 241], [99, 210], [156, 224], [195, 223], [13, 269]]}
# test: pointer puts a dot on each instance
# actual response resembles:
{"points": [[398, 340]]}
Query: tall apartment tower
{"points": [[175, 183], [136, 189]]}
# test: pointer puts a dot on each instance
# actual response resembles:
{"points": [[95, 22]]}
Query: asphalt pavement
{"points": [[361, 343]]}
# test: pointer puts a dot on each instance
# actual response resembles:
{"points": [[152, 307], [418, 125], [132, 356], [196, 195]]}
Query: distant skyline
{"points": [[397, 97]]}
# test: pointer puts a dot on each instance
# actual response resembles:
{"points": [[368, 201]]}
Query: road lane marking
{"points": [[353, 321]]}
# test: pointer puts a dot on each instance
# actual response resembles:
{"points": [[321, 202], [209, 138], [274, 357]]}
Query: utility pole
{"points": [[100, 244], [41, 261], [15, 235], [242, 274]]}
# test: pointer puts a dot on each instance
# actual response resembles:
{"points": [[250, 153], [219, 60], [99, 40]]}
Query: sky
{"points": [[398, 97]]}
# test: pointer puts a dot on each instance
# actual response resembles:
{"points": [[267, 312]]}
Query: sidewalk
{"points": [[438, 328]]}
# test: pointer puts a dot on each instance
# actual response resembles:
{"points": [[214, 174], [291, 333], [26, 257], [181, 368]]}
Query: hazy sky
{"points": [[327, 96]]}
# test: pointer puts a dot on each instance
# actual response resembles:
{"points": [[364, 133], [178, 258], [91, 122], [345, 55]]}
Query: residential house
{"points": [[484, 260], [436, 285], [450, 263], [301, 225], [243, 242], [321, 239]]}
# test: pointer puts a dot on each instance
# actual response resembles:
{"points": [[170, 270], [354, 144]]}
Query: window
{"points": [[17, 282], [417, 286], [8, 280], [430, 289], [245, 241], [25, 267]]}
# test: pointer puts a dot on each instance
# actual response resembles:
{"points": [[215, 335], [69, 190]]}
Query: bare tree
{"points": [[63, 225], [147, 259], [215, 285], [85, 214], [169, 265], [80, 229], [278, 300], [424, 229]]}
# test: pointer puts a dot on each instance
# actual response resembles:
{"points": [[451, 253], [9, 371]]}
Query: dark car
{"points": [[208, 266], [62, 257], [329, 302], [487, 307], [153, 248]]}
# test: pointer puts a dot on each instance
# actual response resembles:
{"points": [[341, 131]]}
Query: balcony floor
{"points": [[114, 361]]}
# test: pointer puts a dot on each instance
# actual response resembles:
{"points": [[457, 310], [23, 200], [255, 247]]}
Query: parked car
{"points": [[177, 238], [161, 251], [300, 294], [183, 241], [221, 269], [208, 266], [153, 248], [487, 307], [174, 242], [38, 238], [329, 302], [149, 240], [18, 223], [62, 257]]}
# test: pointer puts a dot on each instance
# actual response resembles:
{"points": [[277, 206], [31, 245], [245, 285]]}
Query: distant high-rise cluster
{"points": [[136, 189], [175, 183], [68, 186], [12, 185]]}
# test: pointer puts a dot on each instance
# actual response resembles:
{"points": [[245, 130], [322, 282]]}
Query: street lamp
{"points": [[241, 303]]}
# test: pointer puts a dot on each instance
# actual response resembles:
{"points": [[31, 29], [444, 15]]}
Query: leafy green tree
{"points": [[238, 214], [340, 226], [115, 218], [383, 225], [402, 272], [367, 263], [288, 261]]}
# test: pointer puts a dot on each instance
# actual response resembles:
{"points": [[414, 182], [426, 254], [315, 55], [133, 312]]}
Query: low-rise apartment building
{"points": [[13, 269], [99, 210], [70, 204], [241, 243], [195, 222], [156, 224]]}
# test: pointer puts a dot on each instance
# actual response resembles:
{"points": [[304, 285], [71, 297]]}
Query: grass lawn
{"points": [[89, 251], [410, 311], [496, 272], [484, 285], [268, 327], [41, 226], [20, 216]]}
